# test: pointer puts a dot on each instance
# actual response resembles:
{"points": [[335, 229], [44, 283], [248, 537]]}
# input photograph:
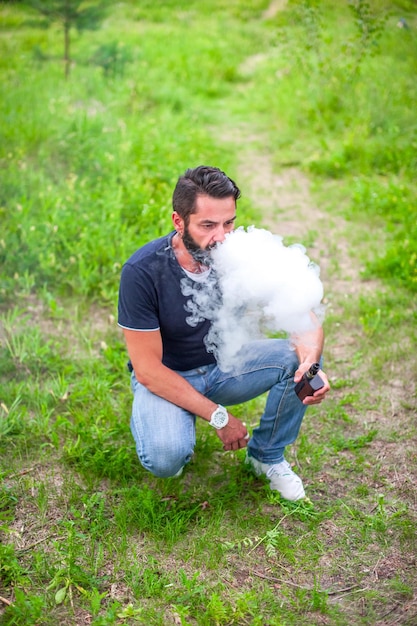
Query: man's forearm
{"points": [[309, 345], [171, 386]]}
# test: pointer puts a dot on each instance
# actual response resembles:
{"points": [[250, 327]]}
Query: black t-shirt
{"points": [[151, 297]]}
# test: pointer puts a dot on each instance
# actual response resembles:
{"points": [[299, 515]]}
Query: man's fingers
{"points": [[235, 445]]}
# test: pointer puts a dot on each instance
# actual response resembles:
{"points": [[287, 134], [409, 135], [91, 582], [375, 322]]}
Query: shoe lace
{"points": [[282, 469]]}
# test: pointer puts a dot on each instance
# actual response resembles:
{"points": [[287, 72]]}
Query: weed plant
{"points": [[87, 169]]}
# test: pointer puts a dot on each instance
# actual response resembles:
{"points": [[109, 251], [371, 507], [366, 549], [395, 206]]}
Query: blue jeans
{"points": [[165, 433]]}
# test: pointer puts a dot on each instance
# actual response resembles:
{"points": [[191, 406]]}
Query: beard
{"points": [[200, 255]]}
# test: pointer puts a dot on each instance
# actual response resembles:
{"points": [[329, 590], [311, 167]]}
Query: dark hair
{"points": [[201, 181]]}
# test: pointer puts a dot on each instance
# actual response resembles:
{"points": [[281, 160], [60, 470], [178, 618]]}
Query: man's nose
{"points": [[219, 235]]}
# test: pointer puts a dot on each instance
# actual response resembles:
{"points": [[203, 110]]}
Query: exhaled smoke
{"points": [[263, 287]]}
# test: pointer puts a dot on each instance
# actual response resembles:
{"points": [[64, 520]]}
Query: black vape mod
{"points": [[309, 383]]}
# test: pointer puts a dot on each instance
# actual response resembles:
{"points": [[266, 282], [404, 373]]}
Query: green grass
{"points": [[87, 168]]}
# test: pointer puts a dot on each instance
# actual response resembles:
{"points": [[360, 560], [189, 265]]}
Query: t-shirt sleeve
{"points": [[138, 303]]}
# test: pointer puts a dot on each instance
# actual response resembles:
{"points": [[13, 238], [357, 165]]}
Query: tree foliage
{"points": [[71, 14]]}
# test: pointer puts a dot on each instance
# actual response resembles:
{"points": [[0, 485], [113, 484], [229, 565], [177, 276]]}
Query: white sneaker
{"points": [[281, 478]]}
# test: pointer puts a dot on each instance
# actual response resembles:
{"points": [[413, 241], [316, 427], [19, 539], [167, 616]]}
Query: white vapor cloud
{"points": [[265, 287]]}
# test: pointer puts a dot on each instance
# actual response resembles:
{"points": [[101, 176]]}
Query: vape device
{"points": [[309, 383]]}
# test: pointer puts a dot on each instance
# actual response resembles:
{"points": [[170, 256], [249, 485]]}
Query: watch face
{"points": [[219, 418]]}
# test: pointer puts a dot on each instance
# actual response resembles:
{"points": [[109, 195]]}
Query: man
{"points": [[175, 378]]}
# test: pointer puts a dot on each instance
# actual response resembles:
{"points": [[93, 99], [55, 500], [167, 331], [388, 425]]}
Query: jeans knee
{"points": [[165, 463]]}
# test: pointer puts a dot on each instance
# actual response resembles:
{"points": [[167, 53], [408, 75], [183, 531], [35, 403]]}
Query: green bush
{"points": [[395, 204]]}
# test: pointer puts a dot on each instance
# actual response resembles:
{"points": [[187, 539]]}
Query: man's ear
{"points": [[178, 223]]}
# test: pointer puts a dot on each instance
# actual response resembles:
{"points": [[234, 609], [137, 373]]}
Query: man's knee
{"points": [[165, 462]]}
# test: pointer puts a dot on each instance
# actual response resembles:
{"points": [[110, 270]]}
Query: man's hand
{"points": [[234, 435], [320, 394]]}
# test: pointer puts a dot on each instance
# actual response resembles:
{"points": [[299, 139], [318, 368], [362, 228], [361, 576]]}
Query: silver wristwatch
{"points": [[219, 417]]}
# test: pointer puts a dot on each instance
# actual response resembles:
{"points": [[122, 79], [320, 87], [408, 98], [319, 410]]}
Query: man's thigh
{"points": [[262, 365], [164, 433]]}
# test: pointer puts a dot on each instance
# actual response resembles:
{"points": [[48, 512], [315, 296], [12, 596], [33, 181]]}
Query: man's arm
{"points": [[309, 347], [145, 352]]}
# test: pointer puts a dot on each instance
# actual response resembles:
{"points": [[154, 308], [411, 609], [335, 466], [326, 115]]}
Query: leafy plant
{"points": [[27, 610], [112, 57], [11, 571], [395, 204], [370, 26], [71, 14]]}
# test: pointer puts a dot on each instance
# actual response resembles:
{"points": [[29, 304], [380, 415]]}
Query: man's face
{"points": [[213, 220]]}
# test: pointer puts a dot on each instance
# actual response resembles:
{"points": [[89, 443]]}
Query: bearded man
{"points": [[175, 379]]}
